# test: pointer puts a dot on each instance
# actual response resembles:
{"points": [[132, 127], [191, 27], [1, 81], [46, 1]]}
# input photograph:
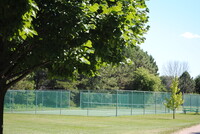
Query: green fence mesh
{"points": [[92, 102], [191, 101], [36, 101], [124, 102]]}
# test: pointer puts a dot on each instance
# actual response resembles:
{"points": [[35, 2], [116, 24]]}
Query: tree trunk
{"points": [[174, 112], [2, 95]]}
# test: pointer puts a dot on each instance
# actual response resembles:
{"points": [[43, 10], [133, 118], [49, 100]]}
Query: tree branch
{"points": [[23, 74], [27, 70], [17, 79], [15, 58]]}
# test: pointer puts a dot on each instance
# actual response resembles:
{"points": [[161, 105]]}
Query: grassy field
{"points": [[60, 124]]}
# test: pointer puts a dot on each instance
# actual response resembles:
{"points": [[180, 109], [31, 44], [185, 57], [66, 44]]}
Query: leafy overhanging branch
{"points": [[14, 78]]}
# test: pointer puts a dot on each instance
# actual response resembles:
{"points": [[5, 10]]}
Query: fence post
{"points": [[26, 100], [42, 100], [164, 102], [183, 100], [88, 103], [143, 102], [69, 92], [101, 99], [57, 98], [131, 102], [81, 99], [13, 100], [35, 101], [117, 103], [155, 101], [10, 100], [196, 99], [197, 102], [190, 102], [60, 101]]}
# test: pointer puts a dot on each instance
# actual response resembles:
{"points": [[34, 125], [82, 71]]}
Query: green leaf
{"points": [[105, 9], [90, 51], [23, 37], [88, 44], [34, 32], [117, 8], [84, 60], [94, 7], [33, 4]]}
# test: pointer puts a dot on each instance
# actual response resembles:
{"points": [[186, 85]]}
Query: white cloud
{"points": [[189, 35]]}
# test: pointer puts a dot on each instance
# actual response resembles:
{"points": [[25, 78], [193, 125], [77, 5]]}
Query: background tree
{"points": [[72, 36], [145, 81], [175, 99], [44, 82], [40, 75], [175, 68], [109, 77], [141, 58], [186, 83], [25, 84], [172, 70], [197, 84], [119, 77], [166, 81]]}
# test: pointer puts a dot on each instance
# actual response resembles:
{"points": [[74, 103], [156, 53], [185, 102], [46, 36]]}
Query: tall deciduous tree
{"points": [[175, 99], [72, 36], [175, 68]]}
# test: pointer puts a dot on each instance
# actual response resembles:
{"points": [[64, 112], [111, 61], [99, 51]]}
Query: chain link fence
{"points": [[92, 102], [191, 101], [36, 101], [121, 102]]}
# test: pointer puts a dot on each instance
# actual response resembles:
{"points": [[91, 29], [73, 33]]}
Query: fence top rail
{"points": [[59, 90], [103, 91], [99, 91], [134, 91]]}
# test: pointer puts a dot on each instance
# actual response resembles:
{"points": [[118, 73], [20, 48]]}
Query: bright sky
{"points": [[174, 33]]}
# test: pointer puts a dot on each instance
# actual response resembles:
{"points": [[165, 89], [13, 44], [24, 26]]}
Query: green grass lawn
{"points": [[61, 124]]}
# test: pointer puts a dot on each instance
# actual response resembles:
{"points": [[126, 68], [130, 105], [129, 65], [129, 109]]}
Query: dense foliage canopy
{"points": [[109, 77], [71, 35], [65, 36]]}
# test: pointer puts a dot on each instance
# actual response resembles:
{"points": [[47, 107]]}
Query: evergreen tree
{"points": [[141, 58], [197, 84], [186, 83]]}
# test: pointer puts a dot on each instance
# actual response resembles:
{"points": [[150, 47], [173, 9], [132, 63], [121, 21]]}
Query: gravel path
{"points": [[190, 130]]}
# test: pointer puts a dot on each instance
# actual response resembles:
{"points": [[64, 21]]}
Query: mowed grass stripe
{"points": [[61, 124]]}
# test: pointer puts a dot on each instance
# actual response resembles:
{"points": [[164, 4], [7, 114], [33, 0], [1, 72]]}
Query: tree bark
{"points": [[2, 95], [174, 112]]}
